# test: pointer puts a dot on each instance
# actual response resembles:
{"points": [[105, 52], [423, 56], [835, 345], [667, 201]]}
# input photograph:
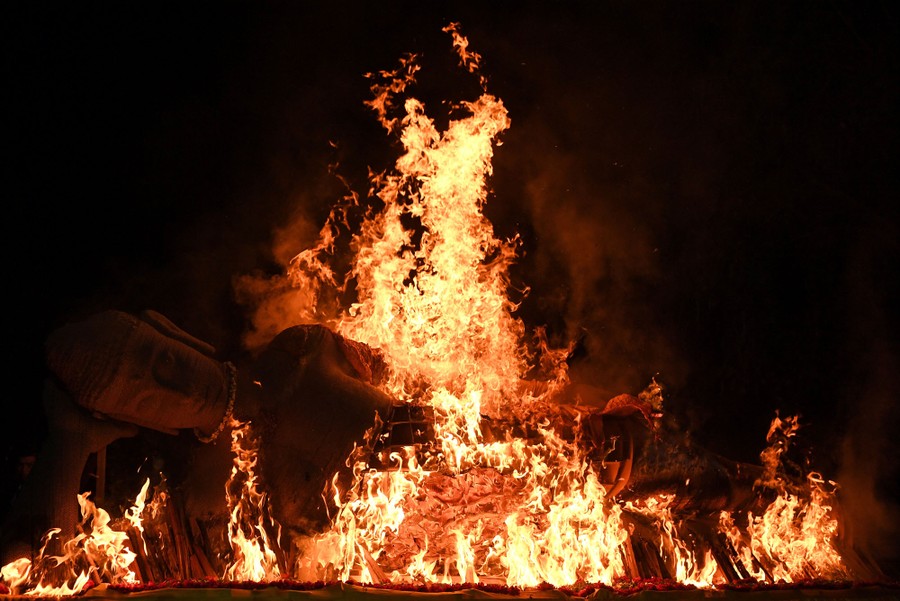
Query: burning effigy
{"points": [[418, 435]]}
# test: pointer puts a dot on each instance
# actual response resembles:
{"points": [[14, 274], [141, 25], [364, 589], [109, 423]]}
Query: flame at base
{"points": [[525, 525], [98, 554]]}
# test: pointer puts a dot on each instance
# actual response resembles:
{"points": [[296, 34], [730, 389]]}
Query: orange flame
{"points": [[431, 282], [100, 554], [794, 537], [524, 506], [253, 533], [688, 568]]}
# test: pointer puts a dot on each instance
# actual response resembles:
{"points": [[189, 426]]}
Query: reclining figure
{"points": [[312, 393]]}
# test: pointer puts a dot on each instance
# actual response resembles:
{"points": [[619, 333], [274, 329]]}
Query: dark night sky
{"points": [[706, 190]]}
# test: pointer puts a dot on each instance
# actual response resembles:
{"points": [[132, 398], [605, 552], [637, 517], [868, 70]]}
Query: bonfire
{"points": [[459, 451]]}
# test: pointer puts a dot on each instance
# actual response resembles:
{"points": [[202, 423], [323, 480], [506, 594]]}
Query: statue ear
{"points": [[166, 327]]}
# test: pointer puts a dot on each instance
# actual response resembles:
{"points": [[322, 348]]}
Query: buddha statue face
{"points": [[144, 371]]}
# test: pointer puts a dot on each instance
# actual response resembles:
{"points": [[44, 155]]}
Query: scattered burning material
{"points": [[481, 471], [98, 554]]}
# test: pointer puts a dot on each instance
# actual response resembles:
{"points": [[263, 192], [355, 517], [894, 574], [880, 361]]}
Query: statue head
{"points": [[140, 369]]}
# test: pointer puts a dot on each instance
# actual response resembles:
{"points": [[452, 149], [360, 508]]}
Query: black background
{"points": [[706, 191]]}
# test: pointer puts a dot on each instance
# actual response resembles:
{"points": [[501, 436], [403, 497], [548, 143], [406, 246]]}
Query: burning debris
{"points": [[413, 438]]}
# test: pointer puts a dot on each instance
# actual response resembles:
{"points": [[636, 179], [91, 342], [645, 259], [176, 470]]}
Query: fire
{"points": [[502, 496], [690, 567], [794, 537], [432, 297], [98, 554], [254, 534], [133, 514], [431, 282], [103, 553]]}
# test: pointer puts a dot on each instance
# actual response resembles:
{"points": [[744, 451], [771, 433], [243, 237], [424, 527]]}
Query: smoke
{"points": [[273, 303], [869, 472], [594, 273]]}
